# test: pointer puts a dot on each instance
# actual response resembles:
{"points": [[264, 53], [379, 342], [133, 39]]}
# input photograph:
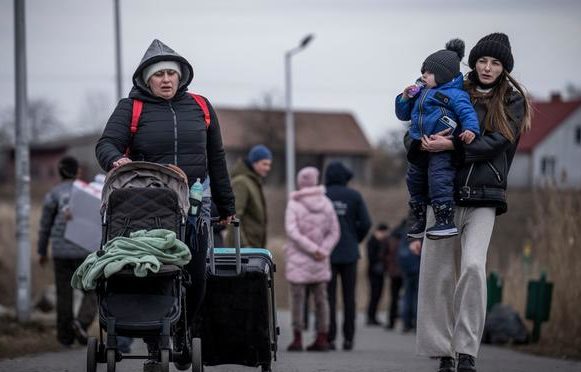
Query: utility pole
{"points": [[22, 166], [118, 49]]}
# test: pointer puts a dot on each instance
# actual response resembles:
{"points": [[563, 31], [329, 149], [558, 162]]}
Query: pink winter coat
{"points": [[311, 225]]}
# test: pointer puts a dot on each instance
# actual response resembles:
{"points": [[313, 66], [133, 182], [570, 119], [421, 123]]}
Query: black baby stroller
{"points": [[138, 196]]}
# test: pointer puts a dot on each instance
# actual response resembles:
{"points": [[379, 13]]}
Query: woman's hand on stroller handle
{"points": [[121, 161], [225, 220]]}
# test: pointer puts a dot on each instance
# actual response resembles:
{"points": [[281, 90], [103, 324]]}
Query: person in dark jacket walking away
{"points": [[441, 103], [66, 256], [395, 278], [355, 223], [377, 244], [174, 128], [452, 298], [247, 177]]}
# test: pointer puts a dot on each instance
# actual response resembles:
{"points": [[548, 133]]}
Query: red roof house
{"points": [[551, 150]]}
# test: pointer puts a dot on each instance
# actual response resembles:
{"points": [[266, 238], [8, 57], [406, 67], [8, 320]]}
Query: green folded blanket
{"points": [[144, 250]]}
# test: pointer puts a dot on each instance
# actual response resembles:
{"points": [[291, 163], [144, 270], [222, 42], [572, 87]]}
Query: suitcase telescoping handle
{"points": [[236, 224]]}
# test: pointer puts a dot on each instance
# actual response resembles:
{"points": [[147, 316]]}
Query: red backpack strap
{"points": [[135, 115], [137, 107], [201, 101]]}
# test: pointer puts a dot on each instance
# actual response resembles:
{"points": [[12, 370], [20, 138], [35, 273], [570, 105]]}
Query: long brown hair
{"points": [[497, 114]]}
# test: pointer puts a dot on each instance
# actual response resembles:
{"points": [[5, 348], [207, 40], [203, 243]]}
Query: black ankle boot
{"points": [[447, 364], [466, 363]]}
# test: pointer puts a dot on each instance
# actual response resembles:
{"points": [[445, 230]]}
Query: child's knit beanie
{"points": [[445, 63]]}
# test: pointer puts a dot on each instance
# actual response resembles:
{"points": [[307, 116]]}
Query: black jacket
{"points": [[483, 165], [376, 251], [351, 211], [169, 132]]}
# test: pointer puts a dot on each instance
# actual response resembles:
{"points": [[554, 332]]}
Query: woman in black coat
{"points": [[173, 127], [451, 304]]}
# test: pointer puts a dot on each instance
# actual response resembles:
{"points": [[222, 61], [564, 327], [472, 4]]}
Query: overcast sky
{"points": [[363, 54]]}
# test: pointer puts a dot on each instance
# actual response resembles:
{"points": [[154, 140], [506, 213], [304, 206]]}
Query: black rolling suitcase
{"points": [[238, 324]]}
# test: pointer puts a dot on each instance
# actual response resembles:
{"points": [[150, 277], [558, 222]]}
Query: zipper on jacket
{"points": [[465, 190], [422, 100], [496, 172], [175, 135]]}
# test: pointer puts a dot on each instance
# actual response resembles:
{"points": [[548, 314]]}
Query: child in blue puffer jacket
{"points": [[435, 103]]}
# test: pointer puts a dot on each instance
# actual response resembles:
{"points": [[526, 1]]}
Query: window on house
{"points": [[548, 166], [578, 135]]}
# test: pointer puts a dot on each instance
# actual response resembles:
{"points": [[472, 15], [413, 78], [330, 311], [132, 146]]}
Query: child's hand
{"points": [[410, 91], [467, 137]]}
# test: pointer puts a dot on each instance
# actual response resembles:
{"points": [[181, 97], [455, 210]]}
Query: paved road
{"points": [[376, 350]]}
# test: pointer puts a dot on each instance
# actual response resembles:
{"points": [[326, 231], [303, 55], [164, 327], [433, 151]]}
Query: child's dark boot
{"points": [[444, 226]]}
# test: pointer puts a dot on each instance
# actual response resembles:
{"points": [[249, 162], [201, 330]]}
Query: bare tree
{"points": [[6, 126], [388, 160], [392, 141], [42, 117], [573, 91], [263, 126], [94, 112]]}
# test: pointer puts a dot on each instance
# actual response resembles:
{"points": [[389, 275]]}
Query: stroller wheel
{"points": [[197, 365], [164, 360], [92, 354], [182, 367], [111, 360]]}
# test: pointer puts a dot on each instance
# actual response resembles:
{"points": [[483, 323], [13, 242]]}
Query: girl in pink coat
{"points": [[313, 230]]}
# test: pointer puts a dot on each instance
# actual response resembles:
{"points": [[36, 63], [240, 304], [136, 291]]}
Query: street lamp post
{"points": [[118, 77], [22, 165], [289, 118]]}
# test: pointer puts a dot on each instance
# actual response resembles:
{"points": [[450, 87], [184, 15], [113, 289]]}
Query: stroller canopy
{"points": [[146, 174]]}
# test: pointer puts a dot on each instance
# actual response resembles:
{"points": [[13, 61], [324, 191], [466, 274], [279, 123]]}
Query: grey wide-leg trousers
{"points": [[452, 289]]}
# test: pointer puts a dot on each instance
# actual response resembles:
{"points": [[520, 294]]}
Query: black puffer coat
{"points": [[484, 164], [169, 132]]}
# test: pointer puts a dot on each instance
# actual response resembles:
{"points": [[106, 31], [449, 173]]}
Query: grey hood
{"points": [[156, 52]]}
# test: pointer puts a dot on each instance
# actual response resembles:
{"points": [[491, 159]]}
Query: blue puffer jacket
{"points": [[427, 108]]}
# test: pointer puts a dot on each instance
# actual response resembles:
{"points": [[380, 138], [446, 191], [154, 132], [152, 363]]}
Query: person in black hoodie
{"points": [[452, 297], [355, 223], [173, 128]]}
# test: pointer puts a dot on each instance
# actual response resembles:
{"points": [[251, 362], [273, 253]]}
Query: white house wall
{"points": [[561, 145], [520, 171]]}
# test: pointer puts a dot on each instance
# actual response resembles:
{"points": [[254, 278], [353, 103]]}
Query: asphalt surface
{"points": [[376, 349]]}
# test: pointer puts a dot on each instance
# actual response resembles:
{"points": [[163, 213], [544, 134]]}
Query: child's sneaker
{"points": [[444, 227], [417, 220]]}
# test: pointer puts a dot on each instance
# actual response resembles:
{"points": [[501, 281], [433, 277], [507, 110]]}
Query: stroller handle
{"points": [[236, 223]]}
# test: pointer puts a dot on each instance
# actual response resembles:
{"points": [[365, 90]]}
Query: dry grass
{"points": [[8, 254], [20, 339], [555, 237]]}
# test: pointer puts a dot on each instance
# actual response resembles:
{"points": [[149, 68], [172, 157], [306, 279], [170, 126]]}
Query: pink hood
{"points": [[311, 226]]}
